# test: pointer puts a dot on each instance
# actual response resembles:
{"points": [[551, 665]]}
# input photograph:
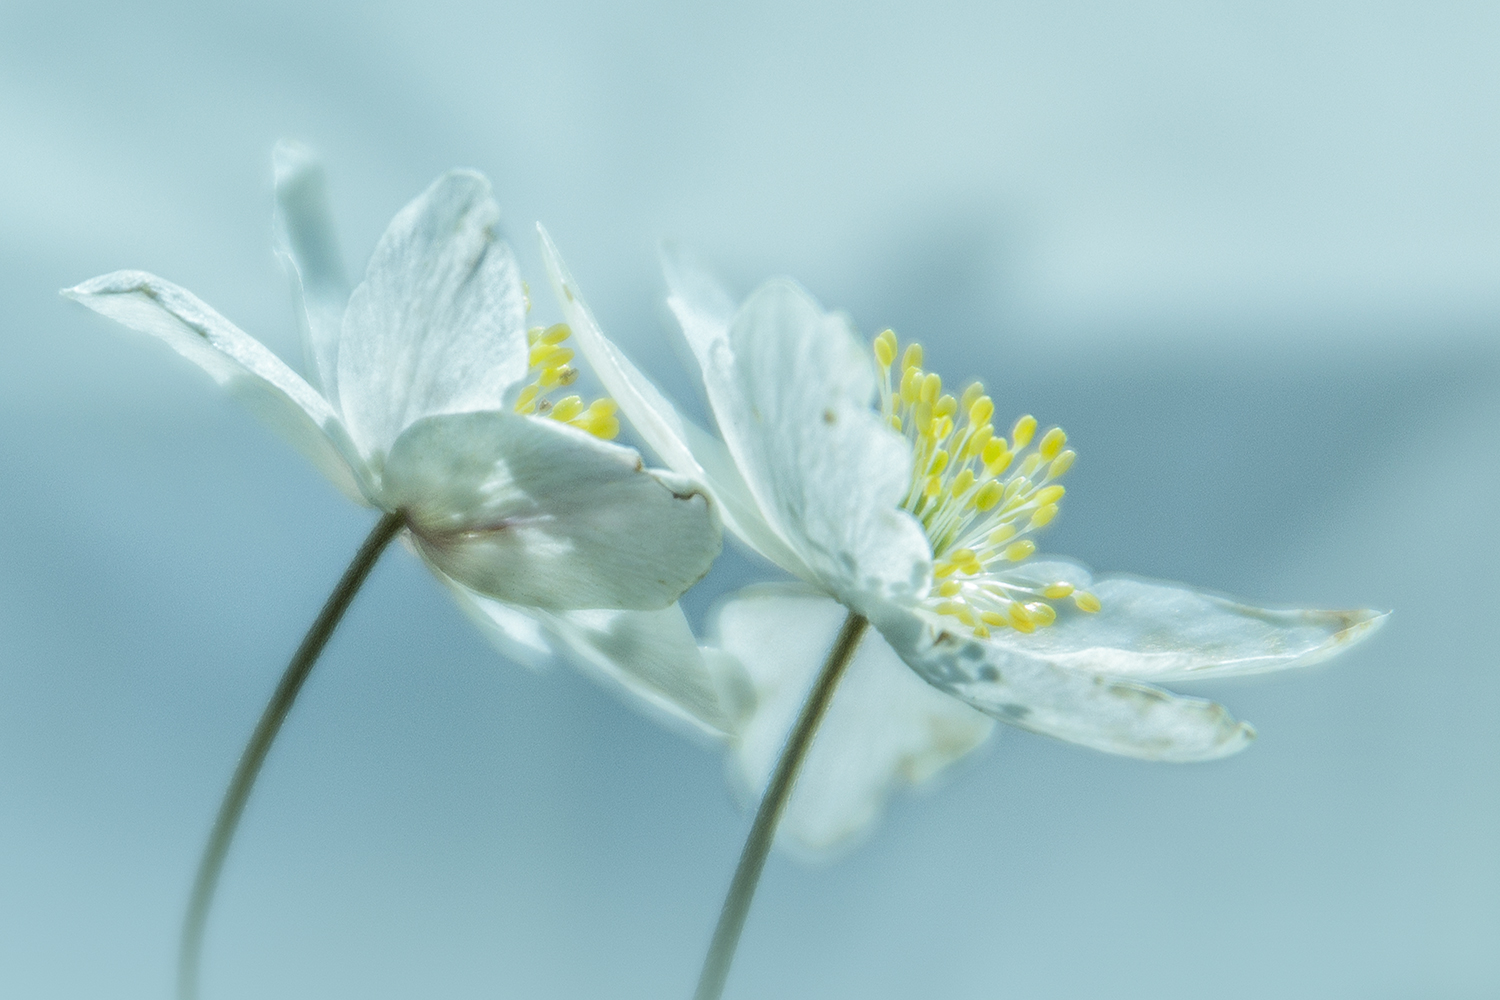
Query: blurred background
{"points": [[1247, 253]]}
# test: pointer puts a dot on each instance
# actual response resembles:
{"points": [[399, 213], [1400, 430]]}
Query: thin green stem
{"points": [[211, 864], [763, 830]]}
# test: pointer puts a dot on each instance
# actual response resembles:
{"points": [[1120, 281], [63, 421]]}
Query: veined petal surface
{"points": [[1156, 631], [1025, 687], [306, 239], [439, 323], [237, 361], [791, 389], [685, 447], [885, 728], [530, 511], [650, 658]]}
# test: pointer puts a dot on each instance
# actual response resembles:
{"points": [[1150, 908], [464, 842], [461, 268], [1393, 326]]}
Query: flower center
{"points": [[978, 495], [550, 371]]}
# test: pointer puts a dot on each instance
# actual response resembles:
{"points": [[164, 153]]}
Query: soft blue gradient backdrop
{"points": [[1248, 254]]}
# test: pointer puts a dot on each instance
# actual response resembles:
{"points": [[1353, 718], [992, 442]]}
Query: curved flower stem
{"points": [[212, 862], [763, 830]]}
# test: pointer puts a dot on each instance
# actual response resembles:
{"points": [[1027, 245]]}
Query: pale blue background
{"points": [[1248, 254]]}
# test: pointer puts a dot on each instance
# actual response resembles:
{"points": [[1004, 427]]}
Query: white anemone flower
{"points": [[846, 464], [427, 395]]}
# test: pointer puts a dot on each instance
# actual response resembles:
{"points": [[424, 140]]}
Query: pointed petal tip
{"points": [[290, 158]]}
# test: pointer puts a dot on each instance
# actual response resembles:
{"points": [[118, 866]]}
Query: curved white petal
{"points": [[439, 323], [1025, 687], [533, 512], [885, 728], [306, 239], [236, 360], [683, 445], [791, 389], [1164, 631], [649, 658]]}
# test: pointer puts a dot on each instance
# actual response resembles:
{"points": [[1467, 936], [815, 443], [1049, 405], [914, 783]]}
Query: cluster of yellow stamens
{"points": [[977, 494], [550, 370]]}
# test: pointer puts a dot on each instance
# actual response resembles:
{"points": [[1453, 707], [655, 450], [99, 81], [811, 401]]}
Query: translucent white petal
{"points": [[307, 241], [439, 323], [236, 360], [1025, 687], [649, 658], [684, 446], [791, 388], [533, 512], [1166, 631], [885, 728]]}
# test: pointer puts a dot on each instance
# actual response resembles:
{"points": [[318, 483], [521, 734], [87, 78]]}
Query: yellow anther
{"points": [[605, 427], [885, 348], [1062, 463], [912, 359], [1016, 551], [556, 333], [1021, 433], [981, 410], [922, 418], [943, 568], [994, 450], [567, 408], [1020, 618], [939, 463], [1050, 494], [962, 483], [551, 378], [1052, 443], [1086, 601], [978, 440], [932, 387], [972, 392], [946, 406], [949, 587], [993, 618], [911, 384], [942, 427], [1016, 485], [1029, 466], [932, 487], [989, 495], [896, 423], [534, 334], [980, 632], [1043, 516], [1057, 591], [527, 397], [545, 355], [1002, 534], [1043, 613]]}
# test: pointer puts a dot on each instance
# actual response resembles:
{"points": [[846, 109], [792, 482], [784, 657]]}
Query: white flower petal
{"points": [[650, 658], [791, 388], [236, 360], [533, 512], [1027, 688], [684, 446], [306, 239], [884, 729], [1163, 632], [439, 323]]}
